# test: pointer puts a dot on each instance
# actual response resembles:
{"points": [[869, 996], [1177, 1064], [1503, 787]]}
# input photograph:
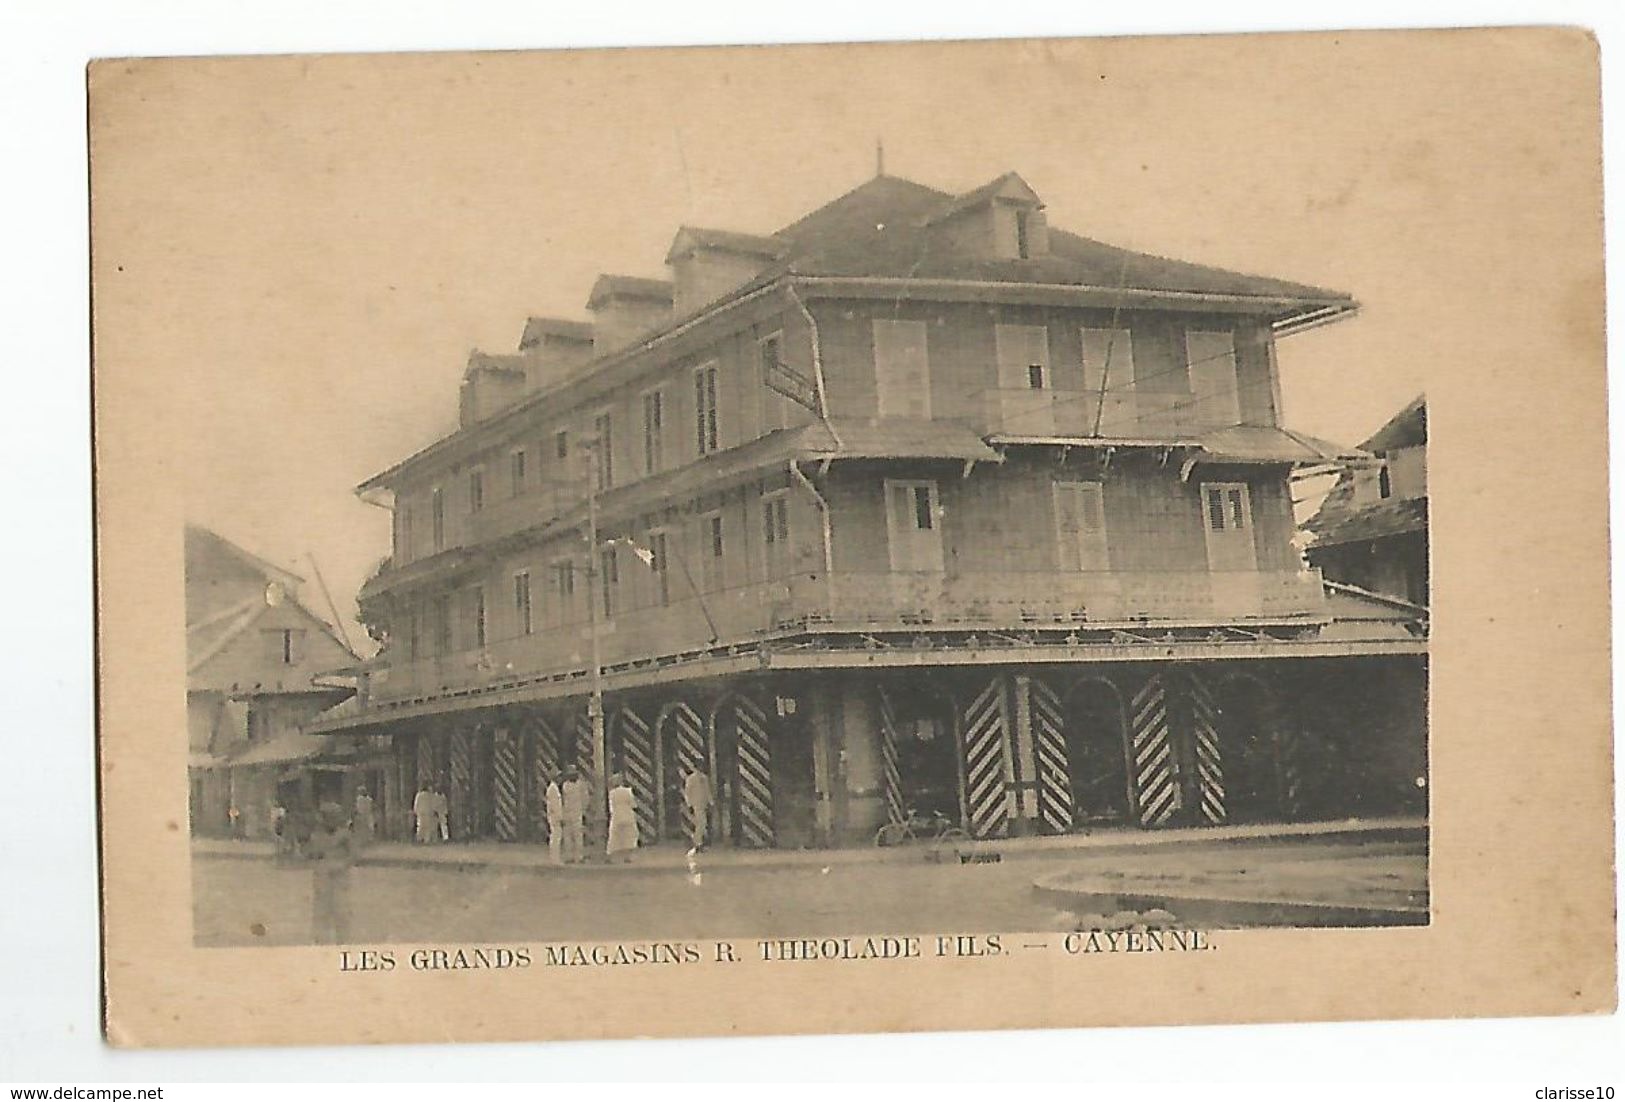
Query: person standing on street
{"points": [[423, 813], [623, 821], [553, 804], [364, 824], [697, 797], [442, 814], [331, 851], [575, 812]]}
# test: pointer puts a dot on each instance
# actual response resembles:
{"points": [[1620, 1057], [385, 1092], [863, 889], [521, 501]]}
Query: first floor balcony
{"points": [[642, 627]]}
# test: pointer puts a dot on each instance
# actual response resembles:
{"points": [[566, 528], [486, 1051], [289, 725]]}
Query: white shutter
{"points": [[1212, 359], [1108, 356], [1021, 348], [902, 371]]}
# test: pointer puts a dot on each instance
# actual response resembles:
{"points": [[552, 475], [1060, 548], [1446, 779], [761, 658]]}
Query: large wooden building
{"points": [[914, 503]]}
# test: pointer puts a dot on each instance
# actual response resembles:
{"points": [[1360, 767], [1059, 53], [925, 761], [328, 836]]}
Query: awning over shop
{"points": [[1265, 444], [282, 749]]}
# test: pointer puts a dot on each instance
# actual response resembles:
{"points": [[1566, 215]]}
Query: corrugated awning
{"points": [[282, 749], [1264, 444], [894, 438]]}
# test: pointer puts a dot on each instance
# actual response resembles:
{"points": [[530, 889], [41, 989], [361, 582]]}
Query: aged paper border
{"points": [[1522, 842]]}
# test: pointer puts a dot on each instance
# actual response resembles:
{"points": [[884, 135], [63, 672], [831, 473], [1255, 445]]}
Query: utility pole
{"points": [[598, 811]]}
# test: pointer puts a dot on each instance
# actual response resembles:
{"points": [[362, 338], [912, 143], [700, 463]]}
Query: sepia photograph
{"points": [[715, 511], [915, 564]]}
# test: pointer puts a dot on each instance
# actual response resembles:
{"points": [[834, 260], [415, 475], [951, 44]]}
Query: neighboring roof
{"points": [[1339, 520], [1386, 518], [622, 286], [690, 238], [281, 749], [1406, 429], [536, 329], [200, 541]]}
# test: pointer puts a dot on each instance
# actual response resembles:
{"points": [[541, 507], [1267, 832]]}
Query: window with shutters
{"points": [[440, 622], [1227, 517], [516, 473], [564, 592], [404, 550], [561, 444], [913, 528], [1080, 526], [284, 646], [1211, 356], [776, 533], [414, 634], [609, 581], [712, 552], [603, 452], [654, 417], [437, 517], [706, 431], [660, 566], [1108, 360], [902, 369], [476, 489], [521, 603], [1023, 352], [476, 617]]}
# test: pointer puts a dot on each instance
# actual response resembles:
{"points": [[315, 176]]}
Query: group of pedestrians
{"points": [[565, 801]]}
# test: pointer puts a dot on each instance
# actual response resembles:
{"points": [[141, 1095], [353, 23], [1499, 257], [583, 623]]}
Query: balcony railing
{"points": [[1122, 413], [864, 601]]}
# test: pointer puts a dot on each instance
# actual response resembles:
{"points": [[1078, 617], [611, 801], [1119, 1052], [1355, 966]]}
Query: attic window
{"points": [[284, 646], [1385, 484], [1023, 238]]}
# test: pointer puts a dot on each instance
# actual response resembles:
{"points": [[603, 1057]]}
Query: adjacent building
{"points": [[256, 663], [1372, 530], [915, 503]]}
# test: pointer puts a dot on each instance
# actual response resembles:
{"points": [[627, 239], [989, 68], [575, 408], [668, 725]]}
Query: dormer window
{"points": [[1024, 245]]}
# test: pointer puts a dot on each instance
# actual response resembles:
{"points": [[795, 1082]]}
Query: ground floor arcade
{"points": [[824, 757]]}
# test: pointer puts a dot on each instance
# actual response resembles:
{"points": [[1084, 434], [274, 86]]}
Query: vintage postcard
{"points": [[851, 538]]}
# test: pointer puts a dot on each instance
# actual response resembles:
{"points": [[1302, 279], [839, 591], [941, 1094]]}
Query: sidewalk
{"points": [[531, 857]]}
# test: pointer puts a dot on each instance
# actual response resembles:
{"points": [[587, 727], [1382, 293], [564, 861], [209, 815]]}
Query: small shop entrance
{"points": [[918, 724], [1250, 758], [1095, 752]]}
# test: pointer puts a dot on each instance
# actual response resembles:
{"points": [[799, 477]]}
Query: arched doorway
{"points": [[1251, 743], [1094, 727]]}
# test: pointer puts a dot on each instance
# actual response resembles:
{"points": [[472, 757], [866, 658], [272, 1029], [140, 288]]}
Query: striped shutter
{"points": [[461, 796], [755, 775], [682, 724], [638, 761], [987, 762], [544, 765], [1156, 795], [1049, 741], [425, 764], [896, 811], [584, 754], [505, 785], [1209, 769]]}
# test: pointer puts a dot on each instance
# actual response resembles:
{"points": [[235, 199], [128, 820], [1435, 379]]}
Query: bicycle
{"points": [[933, 827]]}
